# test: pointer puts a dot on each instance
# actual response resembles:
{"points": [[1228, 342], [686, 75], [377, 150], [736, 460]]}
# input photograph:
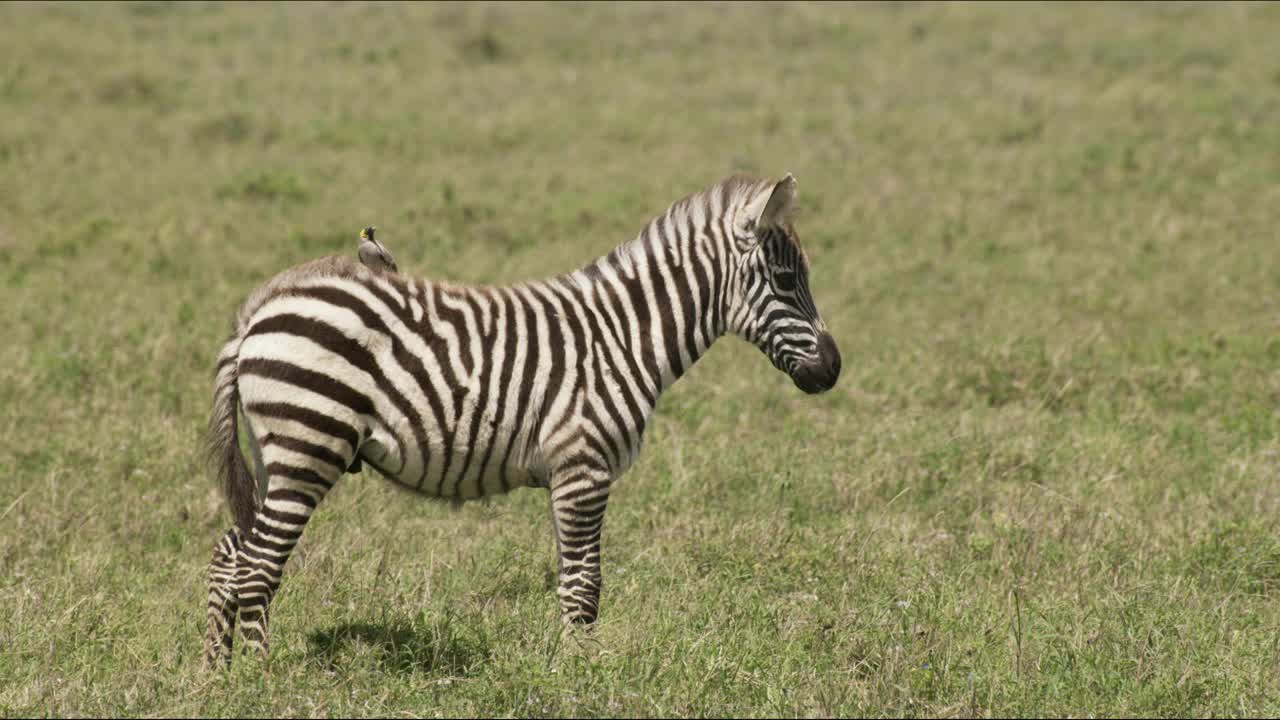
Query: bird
{"points": [[374, 255]]}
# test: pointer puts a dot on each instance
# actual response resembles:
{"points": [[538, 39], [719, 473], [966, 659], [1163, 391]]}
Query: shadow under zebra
{"points": [[404, 647]]}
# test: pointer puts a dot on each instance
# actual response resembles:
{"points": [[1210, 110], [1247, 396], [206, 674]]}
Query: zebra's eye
{"points": [[785, 280]]}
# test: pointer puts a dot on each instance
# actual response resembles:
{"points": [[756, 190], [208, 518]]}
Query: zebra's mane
{"points": [[733, 192]]}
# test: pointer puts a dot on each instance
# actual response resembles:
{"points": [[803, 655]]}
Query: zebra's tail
{"points": [[237, 481]]}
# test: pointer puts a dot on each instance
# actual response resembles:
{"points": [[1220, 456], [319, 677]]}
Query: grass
{"points": [[1044, 237]]}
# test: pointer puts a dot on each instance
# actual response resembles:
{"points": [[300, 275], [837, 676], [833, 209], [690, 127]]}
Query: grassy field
{"points": [[1044, 236]]}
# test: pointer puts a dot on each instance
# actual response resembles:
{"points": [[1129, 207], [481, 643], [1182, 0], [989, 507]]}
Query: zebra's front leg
{"points": [[578, 501], [293, 492], [222, 600]]}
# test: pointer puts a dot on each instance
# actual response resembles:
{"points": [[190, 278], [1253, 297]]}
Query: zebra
{"points": [[461, 392]]}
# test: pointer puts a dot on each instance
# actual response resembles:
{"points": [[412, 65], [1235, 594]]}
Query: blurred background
{"points": [[1044, 236]]}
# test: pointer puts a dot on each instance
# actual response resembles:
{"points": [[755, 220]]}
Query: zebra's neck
{"points": [[663, 294]]}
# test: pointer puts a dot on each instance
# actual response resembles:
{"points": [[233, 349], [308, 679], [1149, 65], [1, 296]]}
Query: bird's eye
{"points": [[785, 280]]}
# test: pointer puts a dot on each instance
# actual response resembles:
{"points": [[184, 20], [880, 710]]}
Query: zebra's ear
{"points": [[781, 201], [771, 207]]}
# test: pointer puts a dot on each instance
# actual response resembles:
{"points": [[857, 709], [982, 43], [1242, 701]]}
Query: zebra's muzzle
{"points": [[821, 374]]}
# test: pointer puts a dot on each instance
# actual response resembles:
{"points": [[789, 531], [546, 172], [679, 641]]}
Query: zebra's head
{"points": [[772, 307]]}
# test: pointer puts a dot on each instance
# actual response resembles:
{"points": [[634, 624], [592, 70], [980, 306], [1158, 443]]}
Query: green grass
{"points": [[1044, 236]]}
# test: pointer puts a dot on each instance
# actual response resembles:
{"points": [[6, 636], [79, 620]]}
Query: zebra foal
{"points": [[462, 392]]}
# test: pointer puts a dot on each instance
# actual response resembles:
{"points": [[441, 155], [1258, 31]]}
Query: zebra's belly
{"points": [[450, 466]]}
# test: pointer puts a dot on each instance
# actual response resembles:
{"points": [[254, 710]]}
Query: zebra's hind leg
{"points": [[579, 496], [299, 475], [222, 601]]}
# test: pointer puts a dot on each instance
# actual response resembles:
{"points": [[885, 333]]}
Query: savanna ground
{"points": [[1045, 238]]}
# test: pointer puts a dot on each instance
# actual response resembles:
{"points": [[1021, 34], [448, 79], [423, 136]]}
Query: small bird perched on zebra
{"points": [[373, 254], [465, 392]]}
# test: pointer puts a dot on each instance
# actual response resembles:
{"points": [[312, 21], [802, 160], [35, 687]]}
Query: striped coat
{"points": [[464, 392]]}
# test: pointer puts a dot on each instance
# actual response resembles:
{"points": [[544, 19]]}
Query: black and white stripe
{"points": [[463, 392]]}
